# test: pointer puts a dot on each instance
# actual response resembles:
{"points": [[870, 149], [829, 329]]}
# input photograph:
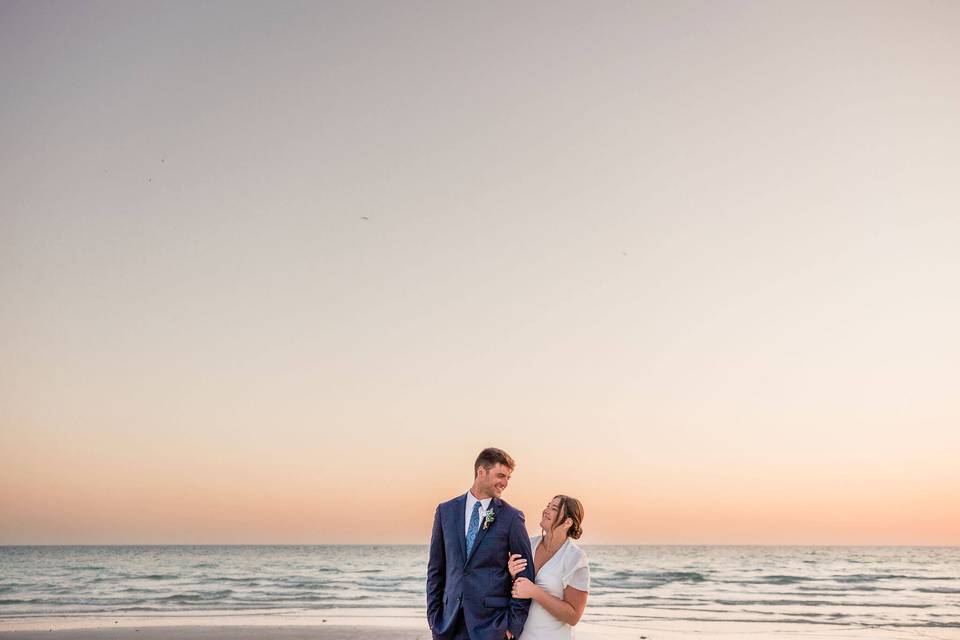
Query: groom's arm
{"points": [[520, 543], [436, 569]]}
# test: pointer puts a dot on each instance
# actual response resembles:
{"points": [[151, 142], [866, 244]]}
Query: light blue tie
{"points": [[474, 525]]}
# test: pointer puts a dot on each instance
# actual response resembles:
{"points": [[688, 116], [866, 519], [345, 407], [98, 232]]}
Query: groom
{"points": [[468, 585]]}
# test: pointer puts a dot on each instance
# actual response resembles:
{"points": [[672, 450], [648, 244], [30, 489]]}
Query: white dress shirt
{"points": [[484, 504]]}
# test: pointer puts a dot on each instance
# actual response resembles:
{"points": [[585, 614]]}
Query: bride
{"points": [[562, 576]]}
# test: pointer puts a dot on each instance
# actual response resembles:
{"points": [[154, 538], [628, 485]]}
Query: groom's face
{"points": [[494, 480]]}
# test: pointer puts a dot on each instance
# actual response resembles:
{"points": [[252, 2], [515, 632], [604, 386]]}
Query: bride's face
{"points": [[550, 514]]}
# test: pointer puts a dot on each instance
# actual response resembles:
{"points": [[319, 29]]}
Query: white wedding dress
{"points": [[567, 567]]}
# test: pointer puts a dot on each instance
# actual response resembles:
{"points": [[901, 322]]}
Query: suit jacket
{"points": [[479, 584]]}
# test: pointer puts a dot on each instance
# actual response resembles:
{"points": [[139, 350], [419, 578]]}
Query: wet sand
{"points": [[223, 633]]}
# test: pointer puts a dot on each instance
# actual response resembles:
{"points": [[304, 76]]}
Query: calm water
{"points": [[631, 585]]}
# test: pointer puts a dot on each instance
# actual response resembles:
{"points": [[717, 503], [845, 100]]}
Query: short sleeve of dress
{"points": [[576, 571]]}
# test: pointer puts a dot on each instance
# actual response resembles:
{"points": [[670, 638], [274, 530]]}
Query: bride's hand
{"points": [[523, 588], [516, 564]]}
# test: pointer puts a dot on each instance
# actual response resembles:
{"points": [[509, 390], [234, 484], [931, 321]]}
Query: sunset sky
{"points": [[276, 272]]}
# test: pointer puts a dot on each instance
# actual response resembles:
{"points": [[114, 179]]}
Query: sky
{"points": [[276, 272]]}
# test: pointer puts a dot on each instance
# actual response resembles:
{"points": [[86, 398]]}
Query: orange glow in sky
{"points": [[693, 263]]}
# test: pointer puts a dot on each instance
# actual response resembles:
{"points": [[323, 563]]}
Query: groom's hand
{"points": [[509, 635]]}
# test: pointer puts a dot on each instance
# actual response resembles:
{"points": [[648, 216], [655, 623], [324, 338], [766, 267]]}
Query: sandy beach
{"points": [[373, 628]]}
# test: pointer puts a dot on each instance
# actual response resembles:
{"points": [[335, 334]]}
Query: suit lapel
{"points": [[460, 507], [495, 505]]}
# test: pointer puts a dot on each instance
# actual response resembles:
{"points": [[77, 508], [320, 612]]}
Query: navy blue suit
{"points": [[470, 597]]}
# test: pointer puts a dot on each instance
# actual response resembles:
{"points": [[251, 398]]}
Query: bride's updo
{"points": [[573, 509]]}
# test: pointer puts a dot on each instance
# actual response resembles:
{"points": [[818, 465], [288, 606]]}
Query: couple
{"points": [[480, 583]]}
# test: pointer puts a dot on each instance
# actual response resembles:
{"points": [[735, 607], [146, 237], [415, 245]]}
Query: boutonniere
{"points": [[488, 519]]}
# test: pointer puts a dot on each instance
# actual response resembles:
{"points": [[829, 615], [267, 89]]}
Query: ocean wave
{"points": [[776, 603], [933, 624], [198, 596], [793, 585], [302, 598], [390, 578], [872, 577], [317, 586], [307, 584], [408, 591], [847, 588], [215, 579], [769, 620], [818, 603], [647, 579], [772, 579], [60, 602]]}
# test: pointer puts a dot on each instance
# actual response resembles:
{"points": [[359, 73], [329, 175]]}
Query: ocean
{"points": [[632, 586]]}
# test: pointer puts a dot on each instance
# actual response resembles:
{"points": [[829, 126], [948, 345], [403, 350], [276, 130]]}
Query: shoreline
{"points": [[224, 632]]}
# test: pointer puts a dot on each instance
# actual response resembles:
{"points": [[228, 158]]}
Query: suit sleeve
{"points": [[520, 543], [436, 570]]}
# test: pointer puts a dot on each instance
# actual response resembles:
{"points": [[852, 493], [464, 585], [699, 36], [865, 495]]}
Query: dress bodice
{"points": [[567, 567]]}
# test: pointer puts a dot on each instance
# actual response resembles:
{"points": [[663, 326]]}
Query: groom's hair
{"points": [[492, 456]]}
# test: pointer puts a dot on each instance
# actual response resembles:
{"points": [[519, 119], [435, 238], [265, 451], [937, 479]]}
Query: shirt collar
{"points": [[484, 504]]}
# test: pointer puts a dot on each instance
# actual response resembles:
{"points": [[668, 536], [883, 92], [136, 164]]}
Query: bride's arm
{"points": [[569, 609]]}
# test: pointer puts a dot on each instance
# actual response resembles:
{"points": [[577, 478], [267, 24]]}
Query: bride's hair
{"points": [[573, 509]]}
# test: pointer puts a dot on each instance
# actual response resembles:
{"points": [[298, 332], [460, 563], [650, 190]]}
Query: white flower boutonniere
{"points": [[488, 519]]}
